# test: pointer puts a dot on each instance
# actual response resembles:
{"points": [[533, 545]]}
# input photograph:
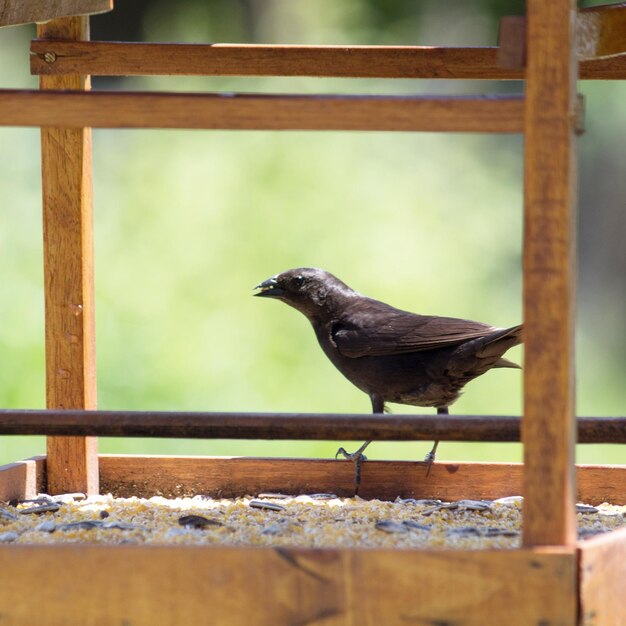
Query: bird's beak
{"points": [[269, 289]]}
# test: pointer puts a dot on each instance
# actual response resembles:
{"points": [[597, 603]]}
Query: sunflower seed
{"points": [[465, 531], [197, 521], [473, 505], [42, 498], [412, 525], [322, 496], [510, 501], [8, 536], [273, 496], [590, 532], [501, 532], [87, 524], [46, 527], [585, 508], [42, 508], [268, 506], [68, 498], [122, 526], [389, 526], [274, 529], [421, 501], [8, 514]]}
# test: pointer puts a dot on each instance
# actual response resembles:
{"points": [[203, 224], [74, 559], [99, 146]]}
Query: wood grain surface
{"points": [[115, 58], [602, 576], [548, 426], [128, 475], [68, 277], [22, 479], [311, 426], [240, 586], [496, 114]]}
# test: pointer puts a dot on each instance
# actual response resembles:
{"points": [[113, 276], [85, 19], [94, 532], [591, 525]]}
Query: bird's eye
{"points": [[299, 280]]}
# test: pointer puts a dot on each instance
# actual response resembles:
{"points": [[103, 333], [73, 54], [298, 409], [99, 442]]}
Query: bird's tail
{"points": [[499, 342], [502, 362]]}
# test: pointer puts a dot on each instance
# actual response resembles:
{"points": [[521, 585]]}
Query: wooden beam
{"points": [[68, 277], [495, 114], [548, 426], [132, 584], [600, 34], [109, 58], [602, 574], [129, 475], [106, 58], [609, 68], [601, 31], [311, 426], [22, 479], [27, 11]]}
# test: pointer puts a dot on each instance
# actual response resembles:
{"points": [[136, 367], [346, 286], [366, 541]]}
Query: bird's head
{"points": [[307, 289]]}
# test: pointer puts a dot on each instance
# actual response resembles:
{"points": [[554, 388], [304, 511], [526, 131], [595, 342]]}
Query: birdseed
{"points": [[312, 521]]}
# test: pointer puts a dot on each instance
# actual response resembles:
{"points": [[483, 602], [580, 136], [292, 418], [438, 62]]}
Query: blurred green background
{"points": [[186, 223]]}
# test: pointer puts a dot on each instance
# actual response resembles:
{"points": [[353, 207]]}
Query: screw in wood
{"points": [[49, 57]]}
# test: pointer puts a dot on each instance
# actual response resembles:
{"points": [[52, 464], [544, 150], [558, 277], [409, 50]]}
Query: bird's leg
{"points": [[378, 406], [430, 457]]}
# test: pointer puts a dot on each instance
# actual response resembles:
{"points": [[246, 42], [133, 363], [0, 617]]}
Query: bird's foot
{"points": [[350, 456], [429, 460], [357, 457]]}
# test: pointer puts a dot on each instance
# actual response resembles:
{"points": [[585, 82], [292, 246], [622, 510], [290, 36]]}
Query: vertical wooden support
{"points": [[549, 273], [72, 462]]}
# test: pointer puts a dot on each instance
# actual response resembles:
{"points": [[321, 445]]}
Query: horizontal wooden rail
{"points": [[172, 476], [324, 426], [489, 114], [112, 58]]}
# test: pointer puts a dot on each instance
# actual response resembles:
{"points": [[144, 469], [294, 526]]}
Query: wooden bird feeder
{"points": [[552, 579]]}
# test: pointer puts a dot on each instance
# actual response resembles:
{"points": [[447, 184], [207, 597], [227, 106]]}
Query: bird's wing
{"points": [[376, 329]]}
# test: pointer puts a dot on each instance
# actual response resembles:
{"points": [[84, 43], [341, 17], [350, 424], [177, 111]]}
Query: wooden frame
{"points": [[112, 58], [552, 579], [68, 277], [262, 112]]}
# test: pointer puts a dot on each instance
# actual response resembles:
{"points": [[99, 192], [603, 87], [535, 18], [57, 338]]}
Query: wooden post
{"points": [[548, 426], [72, 462]]}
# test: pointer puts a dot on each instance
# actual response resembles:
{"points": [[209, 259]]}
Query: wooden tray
{"points": [[130, 584]]}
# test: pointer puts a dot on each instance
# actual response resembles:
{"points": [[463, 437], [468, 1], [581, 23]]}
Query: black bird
{"points": [[390, 354]]}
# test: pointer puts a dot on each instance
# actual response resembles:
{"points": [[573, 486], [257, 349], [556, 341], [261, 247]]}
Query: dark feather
{"points": [[373, 328]]}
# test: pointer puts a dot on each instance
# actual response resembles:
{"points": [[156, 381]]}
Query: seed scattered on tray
{"points": [[44, 507], [585, 508], [389, 526], [197, 521], [7, 514], [273, 496], [64, 498], [9, 536], [307, 520], [268, 506], [46, 527]]}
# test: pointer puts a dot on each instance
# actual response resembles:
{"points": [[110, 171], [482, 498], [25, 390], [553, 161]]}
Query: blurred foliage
{"points": [[188, 222]]}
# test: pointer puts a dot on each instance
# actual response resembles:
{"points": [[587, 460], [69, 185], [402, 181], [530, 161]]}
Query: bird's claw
{"points": [[350, 456], [429, 459], [357, 457]]}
